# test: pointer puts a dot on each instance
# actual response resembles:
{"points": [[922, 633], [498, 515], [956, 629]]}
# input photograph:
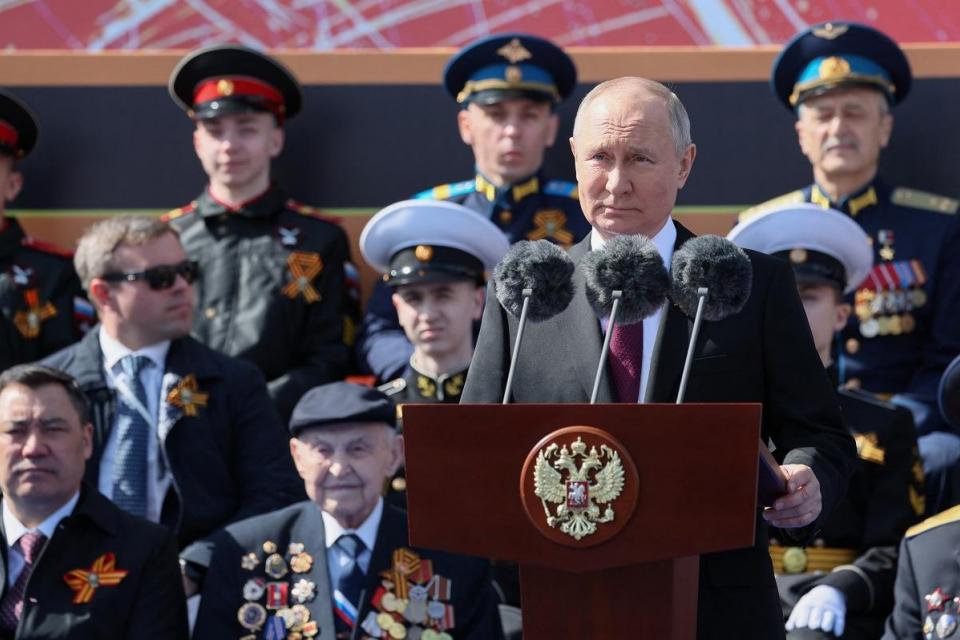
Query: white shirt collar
{"points": [[113, 351], [14, 529], [663, 241], [366, 531]]}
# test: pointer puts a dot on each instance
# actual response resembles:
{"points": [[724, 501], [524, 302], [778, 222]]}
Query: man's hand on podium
{"points": [[802, 503]]}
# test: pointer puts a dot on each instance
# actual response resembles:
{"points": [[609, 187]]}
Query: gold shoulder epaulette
{"points": [[313, 212], [924, 200], [944, 517], [794, 197], [393, 387], [179, 211]]}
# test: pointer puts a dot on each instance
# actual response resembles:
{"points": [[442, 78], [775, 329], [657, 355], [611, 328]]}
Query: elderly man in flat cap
{"points": [[340, 564]]}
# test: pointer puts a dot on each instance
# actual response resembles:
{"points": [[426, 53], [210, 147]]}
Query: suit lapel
{"points": [[670, 348], [309, 531], [580, 320]]}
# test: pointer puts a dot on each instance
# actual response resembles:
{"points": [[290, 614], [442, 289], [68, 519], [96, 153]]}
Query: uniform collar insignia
{"points": [[102, 573]]}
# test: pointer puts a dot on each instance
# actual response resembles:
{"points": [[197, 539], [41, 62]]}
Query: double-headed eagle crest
{"points": [[598, 480]]}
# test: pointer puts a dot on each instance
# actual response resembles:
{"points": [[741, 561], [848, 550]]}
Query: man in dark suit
{"points": [[340, 565], [73, 564], [632, 152], [183, 435]]}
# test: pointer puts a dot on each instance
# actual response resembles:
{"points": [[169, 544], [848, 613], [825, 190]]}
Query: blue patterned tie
{"points": [[350, 578], [133, 431]]}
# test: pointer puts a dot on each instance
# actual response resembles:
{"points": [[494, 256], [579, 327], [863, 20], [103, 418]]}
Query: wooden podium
{"points": [[696, 492]]}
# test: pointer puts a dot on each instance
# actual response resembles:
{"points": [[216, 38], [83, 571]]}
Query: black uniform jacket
{"points": [[272, 288], [473, 599], [148, 602], [928, 580], [38, 292], [763, 354], [229, 461]]}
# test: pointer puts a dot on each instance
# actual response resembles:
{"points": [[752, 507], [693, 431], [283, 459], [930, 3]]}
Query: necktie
{"points": [[11, 607], [133, 432], [626, 360], [350, 578]]}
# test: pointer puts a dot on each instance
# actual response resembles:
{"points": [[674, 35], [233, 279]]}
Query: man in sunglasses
{"points": [[182, 434], [273, 288]]}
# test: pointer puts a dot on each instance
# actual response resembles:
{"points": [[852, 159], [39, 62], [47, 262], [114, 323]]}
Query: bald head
{"points": [[634, 89]]}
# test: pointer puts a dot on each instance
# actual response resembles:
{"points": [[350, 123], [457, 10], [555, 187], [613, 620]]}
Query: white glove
{"points": [[823, 607]]}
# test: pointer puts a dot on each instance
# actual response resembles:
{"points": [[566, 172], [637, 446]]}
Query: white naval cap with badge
{"points": [[416, 241], [823, 245]]}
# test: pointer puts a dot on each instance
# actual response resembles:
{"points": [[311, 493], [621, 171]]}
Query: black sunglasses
{"points": [[159, 278]]}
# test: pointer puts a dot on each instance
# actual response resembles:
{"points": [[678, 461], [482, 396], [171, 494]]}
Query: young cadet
{"points": [[842, 585], [842, 79], [434, 257], [339, 565], [272, 288], [508, 87], [42, 308]]}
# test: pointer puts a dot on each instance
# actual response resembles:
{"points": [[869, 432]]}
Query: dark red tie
{"points": [[11, 607], [626, 360]]}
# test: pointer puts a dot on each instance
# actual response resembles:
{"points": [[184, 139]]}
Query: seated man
{"points": [[842, 586], [73, 565], [183, 435], [433, 256], [341, 560]]}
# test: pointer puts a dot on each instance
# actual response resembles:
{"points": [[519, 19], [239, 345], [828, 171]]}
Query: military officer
{"points": [[927, 592], [340, 564], [42, 303], [434, 256], [508, 87], [842, 586], [842, 79], [272, 289]]}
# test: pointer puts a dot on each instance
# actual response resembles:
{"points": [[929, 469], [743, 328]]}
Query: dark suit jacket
{"points": [[763, 354], [473, 598], [229, 462], [147, 603]]}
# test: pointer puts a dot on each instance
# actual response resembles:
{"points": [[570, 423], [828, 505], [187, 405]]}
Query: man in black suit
{"points": [[340, 565], [183, 435], [73, 564], [632, 152]]}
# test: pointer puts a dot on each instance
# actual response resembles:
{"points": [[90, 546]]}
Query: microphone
{"points": [[712, 279], [625, 282], [532, 267]]}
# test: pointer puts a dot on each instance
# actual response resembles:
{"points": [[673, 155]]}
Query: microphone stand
{"points": [[702, 295], [616, 295], [526, 293]]}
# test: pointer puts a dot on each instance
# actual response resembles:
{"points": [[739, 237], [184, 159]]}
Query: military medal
{"points": [[435, 610], [301, 615], [928, 627], [254, 589], [304, 590], [269, 547], [288, 616], [277, 595], [894, 326], [936, 600], [946, 625], [870, 328], [919, 298], [275, 566], [310, 629], [252, 616], [295, 548], [276, 629], [416, 611], [885, 237], [301, 562], [250, 561]]}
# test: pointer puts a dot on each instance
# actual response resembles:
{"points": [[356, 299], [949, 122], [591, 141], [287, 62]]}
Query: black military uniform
{"points": [[417, 386], [273, 288], [856, 549], [41, 300], [927, 591], [490, 70], [903, 331]]}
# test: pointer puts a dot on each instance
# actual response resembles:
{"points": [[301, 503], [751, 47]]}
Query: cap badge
{"points": [[513, 74], [514, 52], [834, 67], [830, 31], [225, 87], [423, 253], [798, 256]]}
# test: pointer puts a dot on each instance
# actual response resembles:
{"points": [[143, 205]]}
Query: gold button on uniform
{"points": [[852, 346], [794, 560]]}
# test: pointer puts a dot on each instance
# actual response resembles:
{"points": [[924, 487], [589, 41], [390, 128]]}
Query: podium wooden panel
{"points": [[697, 467]]}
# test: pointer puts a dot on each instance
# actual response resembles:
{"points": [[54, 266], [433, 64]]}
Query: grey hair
{"points": [[94, 255], [679, 119]]}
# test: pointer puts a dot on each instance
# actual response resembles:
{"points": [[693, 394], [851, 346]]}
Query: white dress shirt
{"points": [[14, 530], [151, 377], [663, 241], [367, 532]]}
